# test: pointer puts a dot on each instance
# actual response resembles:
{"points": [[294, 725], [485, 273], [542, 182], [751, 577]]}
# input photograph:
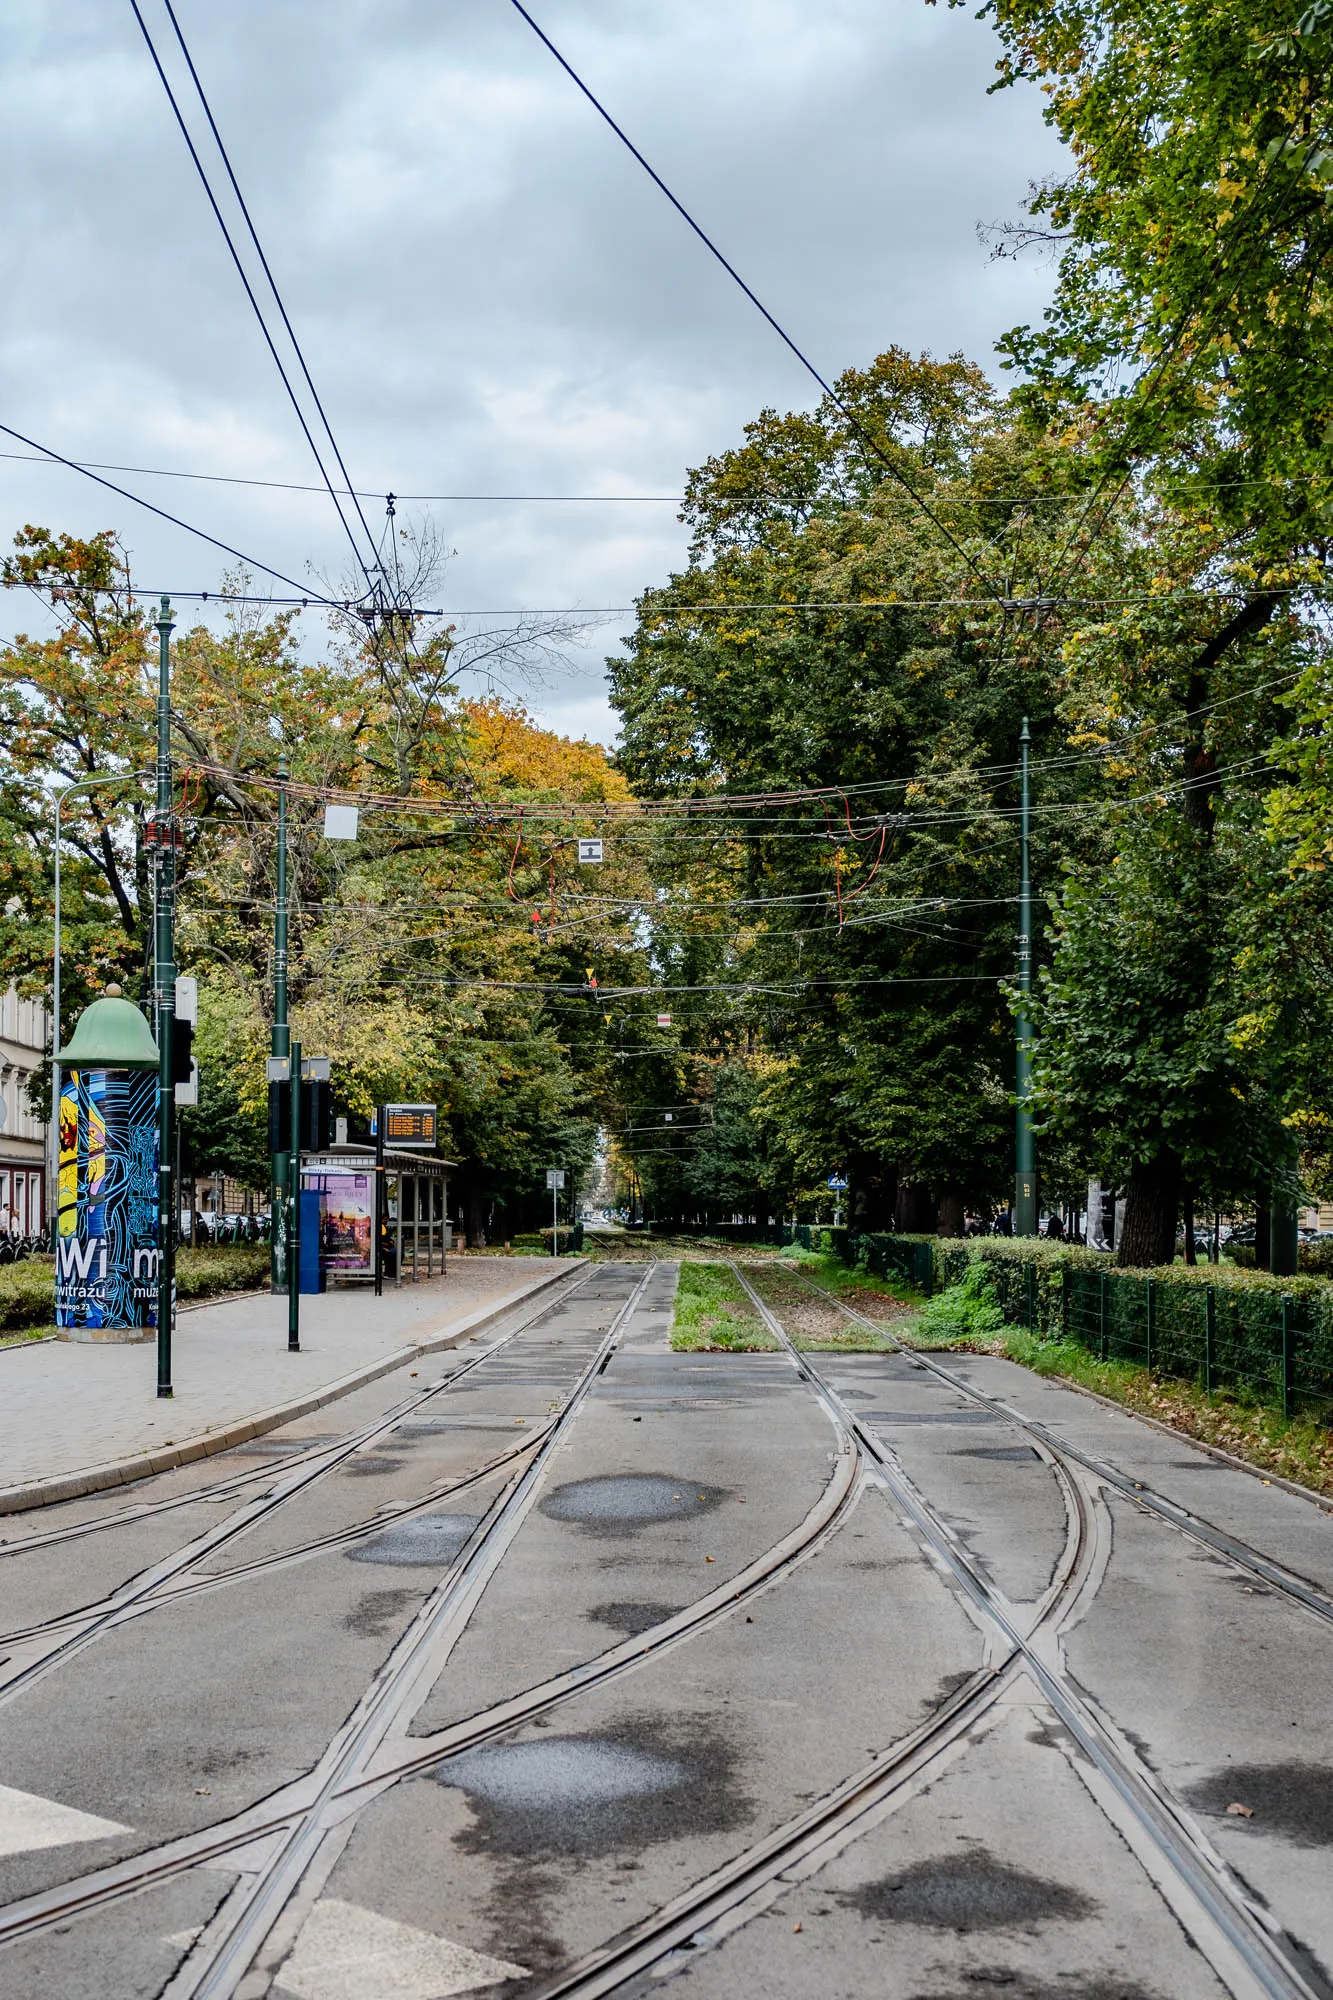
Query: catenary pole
{"points": [[294, 1208], [281, 1050], [164, 996], [1025, 1165]]}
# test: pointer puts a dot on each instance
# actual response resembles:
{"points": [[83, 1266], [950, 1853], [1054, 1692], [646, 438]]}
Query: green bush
{"points": [[27, 1293], [1158, 1319], [27, 1290], [968, 1310]]}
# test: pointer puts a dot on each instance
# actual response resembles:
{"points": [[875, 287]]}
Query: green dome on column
{"points": [[110, 1034]]}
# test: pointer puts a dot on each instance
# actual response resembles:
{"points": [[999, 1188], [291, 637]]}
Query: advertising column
{"points": [[106, 1226]]}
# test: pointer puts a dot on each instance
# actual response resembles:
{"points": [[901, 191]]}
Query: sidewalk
{"points": [[72, 1414]]}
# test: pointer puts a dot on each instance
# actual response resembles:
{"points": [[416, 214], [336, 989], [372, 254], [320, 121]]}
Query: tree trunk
{"points": [[949, 1213], [1190, 1254], [1152, 1202], [476, 1226], [914, 1211]]}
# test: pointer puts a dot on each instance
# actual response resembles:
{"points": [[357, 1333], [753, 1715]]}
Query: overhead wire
{"points": [[243, 275], [866, 437]]}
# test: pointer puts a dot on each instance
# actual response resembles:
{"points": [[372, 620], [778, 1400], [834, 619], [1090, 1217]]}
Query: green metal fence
{"points": [[1272, 1345]]}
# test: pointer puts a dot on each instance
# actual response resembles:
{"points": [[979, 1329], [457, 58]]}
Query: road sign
{"points": [[837, 1183], [555, 1177], [341, 822], [409, 1125], [664, 1020], [590, 850]]}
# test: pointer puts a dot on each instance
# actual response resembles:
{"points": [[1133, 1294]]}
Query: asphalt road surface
{"points": [[567, 1665]]}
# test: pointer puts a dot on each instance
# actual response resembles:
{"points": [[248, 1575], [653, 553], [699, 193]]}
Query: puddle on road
{"points": [[1293, 1799], [558, 1796], [630, 1499], [426, 1539], [968, 1892], [632, 1615]]}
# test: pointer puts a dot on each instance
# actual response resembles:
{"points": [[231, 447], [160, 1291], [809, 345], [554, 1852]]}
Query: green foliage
{"points": [[968, 1310]]}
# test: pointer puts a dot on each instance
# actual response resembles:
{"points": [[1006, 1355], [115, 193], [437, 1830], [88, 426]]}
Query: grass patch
{"points": [[813, 1323], [848, 1281], [967, 1316], [713, 1314]]}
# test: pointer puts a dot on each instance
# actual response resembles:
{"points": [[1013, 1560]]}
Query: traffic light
{"points": [[316, 1114], [182, 1044], [279, 1117]]}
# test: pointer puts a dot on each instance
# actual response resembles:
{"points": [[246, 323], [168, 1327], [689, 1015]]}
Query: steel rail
{"points": [[754, 1878], [1240, 1941], [216, 1489], [221, 1957], [1300, 1589], [165, 1582], [107, 1885]]}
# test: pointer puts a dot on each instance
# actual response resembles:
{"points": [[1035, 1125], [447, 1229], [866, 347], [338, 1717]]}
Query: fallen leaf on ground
{"points": [[1238, 1811]]}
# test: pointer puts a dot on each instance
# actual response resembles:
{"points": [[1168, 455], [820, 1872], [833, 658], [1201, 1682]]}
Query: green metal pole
{"points": [[164, 996], [294, 1209], [281, 1049], [1025, 1163]]}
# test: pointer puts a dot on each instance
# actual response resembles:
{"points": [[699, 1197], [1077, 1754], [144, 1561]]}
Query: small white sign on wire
{"points": [[590, 850], [664, 1020], [342, 822]]}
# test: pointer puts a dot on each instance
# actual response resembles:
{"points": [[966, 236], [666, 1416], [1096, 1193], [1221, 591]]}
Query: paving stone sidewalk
{"points": [[66, 1407]]}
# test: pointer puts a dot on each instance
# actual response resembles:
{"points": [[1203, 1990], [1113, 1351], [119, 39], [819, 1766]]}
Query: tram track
{"points": [[285, 1847], [333, 1450], [178, 1576], [1300, 1590], [1240, 1939]]}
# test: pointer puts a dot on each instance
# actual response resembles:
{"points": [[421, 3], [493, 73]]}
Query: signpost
{"points": [[590, 851], [555, 1180]]}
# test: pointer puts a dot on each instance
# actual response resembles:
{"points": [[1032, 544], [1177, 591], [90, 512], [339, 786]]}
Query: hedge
{"points": [[1214, 1324], [27, 1289]]}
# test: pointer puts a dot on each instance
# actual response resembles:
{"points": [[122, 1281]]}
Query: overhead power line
{"points": [[866, 437], [201, 534], [241, 272]]}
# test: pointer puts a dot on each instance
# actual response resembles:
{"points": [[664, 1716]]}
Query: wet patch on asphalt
{"points": [[1010, 1454], [1019, 1986], [1293, 1799], [968, 1892], [362, 1468], [616, 1501], [611, 1792], [379, 1612], [425, 1540], [632, 1615]]}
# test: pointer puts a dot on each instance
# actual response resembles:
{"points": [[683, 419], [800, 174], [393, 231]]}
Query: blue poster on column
{"points": [[106, 1235]]}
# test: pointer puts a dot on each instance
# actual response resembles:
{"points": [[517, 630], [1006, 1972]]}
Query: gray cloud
{"points": [[491, 295]]}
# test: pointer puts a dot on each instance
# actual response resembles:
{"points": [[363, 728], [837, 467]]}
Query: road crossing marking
{"points": [[27, 1823], [345, 1953]]}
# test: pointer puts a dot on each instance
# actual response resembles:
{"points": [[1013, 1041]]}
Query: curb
{"points": [[143, 1465]]}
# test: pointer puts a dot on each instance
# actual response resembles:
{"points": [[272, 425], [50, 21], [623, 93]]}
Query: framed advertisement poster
{"points": [[106, 1227], [346, 1222]]}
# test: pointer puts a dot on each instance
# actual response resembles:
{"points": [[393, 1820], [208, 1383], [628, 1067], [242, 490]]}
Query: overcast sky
{"points": [[492, 297]]}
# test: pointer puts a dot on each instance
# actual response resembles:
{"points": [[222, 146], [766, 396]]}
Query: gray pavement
{"points": [[621, 1670]]}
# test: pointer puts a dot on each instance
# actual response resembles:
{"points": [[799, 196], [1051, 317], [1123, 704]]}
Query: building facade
{"points": [[24, 1029]]}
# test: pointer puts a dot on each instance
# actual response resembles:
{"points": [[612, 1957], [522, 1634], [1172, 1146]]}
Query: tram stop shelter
{"points": [[340, 1209]]}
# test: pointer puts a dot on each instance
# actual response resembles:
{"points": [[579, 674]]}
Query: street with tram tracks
{"points": [[576, 1665]]}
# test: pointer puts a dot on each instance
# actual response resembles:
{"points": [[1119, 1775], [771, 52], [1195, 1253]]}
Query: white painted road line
{"points": [[346, 1953]]}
